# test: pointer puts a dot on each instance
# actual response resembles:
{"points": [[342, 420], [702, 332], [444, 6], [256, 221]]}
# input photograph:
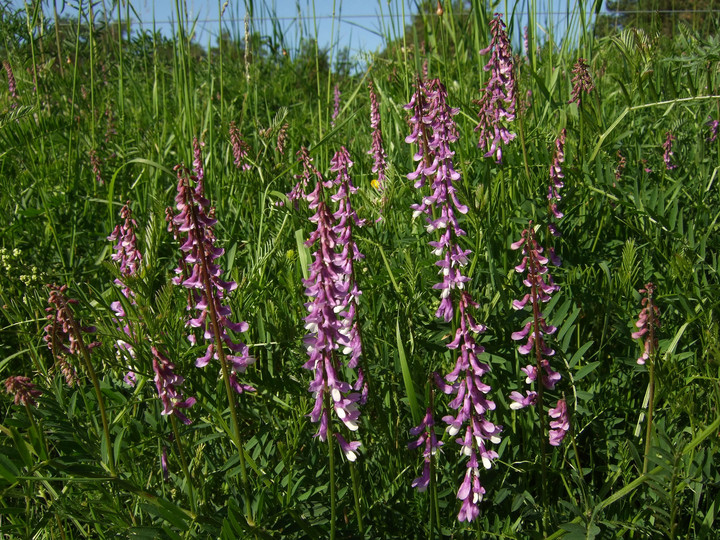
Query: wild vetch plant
{"points": [[497, 103], [433, 130]]}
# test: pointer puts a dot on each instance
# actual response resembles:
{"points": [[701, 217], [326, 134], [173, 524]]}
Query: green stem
{"points": [[651, 389], [356, 493], [96, 385], [183, 462], [331, 459]]}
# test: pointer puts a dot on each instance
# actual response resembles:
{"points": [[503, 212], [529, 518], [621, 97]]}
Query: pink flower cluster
{"points": [[62, 333], [22, 389], [581, 81], [12, 87], [303, 179], [240, 148], [648, 321], [427, 439], [168, 387], [202, 276], [536, 331], [433, 130], [333, 294], [556, 182], [497, 103]]}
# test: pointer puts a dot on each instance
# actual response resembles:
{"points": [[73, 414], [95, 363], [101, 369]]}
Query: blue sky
{"points": [[357, 24]]}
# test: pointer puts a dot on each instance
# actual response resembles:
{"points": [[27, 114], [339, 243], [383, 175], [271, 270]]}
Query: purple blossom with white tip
{"points": [[201, 275], [535, 333], [377, 150], [668, 152], [648, 321], [497, 103], [168, 387], [346, 218], [348, 448]]}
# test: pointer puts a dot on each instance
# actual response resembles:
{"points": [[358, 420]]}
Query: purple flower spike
{"points": [[336, 105], [168, 387], [433, 129], [556, 183], [12, 87], [331, 308], [22, 389], [345, 218], [197, 159], [714, 125], [667, 155], [377, 150], [63, 334], [129, 258], [497, 103], [648, 321], [560, 426], [428, 439], [240, 148], [201, 275], [309, 170], [582, 81]]}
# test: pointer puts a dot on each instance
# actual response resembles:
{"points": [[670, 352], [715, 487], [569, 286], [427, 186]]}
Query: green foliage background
{"points": [[138, 100]]}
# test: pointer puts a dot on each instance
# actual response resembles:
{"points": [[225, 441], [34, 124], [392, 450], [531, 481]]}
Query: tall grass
{"points": [[62, 476]]}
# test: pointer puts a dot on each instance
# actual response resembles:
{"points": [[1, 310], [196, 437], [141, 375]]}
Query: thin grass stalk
{"points": [[651, 386], [356, 494], [57, 39], [183, 463], [91, 44], [532, 269], [331, 465], [96, 385]]}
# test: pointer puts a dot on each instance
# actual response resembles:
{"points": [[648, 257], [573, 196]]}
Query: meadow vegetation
{"points": [[193, 237]]}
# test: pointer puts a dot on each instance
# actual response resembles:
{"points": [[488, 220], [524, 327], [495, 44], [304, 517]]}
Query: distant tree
{"points": [[661, 16]]}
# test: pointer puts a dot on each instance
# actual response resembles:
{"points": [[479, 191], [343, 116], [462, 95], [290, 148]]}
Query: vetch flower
{"points": [[348, 448], [582, 82], [22, 389], [667, 155], [336, 105], [240, 148], [429, 441], [63, 333], [95, 163], [327, 289], [198, 168], [12, 87], [648, 321], [497, 103], [377, 150], [561, 423], [713, 125], [309, 170], [434, 130], [168, 387], [201, 275], [129, 258], [556, 183]]}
